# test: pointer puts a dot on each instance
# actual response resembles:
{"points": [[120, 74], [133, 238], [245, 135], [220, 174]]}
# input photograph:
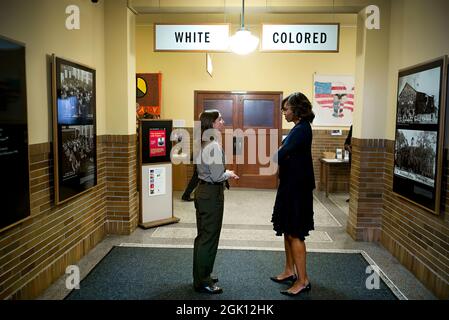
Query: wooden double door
{"points": [[258, 116]]}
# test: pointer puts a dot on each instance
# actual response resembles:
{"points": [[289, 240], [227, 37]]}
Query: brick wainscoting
{"points": [[35, 251], [416, 237], [121, 180], [367, 173], [323, 141]]}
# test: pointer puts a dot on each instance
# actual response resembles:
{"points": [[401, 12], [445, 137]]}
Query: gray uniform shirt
{"points": [[211, 168]]}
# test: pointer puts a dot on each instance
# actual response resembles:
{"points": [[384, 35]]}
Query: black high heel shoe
{"points": [[290, 278], [306, 288]]}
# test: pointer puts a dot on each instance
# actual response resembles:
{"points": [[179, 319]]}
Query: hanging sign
{"points": [[301, 37], [183, 37]]}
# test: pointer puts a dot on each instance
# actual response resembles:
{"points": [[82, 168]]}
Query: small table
{"points": [[326, 165]]}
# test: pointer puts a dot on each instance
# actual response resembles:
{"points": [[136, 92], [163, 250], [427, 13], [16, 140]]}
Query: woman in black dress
{"points": [[293, 208]]}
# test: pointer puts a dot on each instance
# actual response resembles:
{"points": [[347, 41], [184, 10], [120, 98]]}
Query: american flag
{"points": [[327, 92]]}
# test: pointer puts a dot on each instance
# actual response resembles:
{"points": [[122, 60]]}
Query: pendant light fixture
{"points": [[243, 42]]}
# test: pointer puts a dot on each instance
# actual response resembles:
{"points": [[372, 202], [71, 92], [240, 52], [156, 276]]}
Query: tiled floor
{"points": [[246, 224]]}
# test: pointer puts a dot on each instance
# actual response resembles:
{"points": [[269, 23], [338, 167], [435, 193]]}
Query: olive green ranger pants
{"points": [[209, 204]]}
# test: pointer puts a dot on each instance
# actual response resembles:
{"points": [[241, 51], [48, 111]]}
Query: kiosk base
{"points": [[156, 223]]}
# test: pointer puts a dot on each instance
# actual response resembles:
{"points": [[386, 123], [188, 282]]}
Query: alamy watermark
{"points": [[372, 17], [373, 280], [72, 22], [246, 147], [73, 277]]}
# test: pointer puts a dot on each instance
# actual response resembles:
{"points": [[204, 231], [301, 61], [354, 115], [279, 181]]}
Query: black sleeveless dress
{"points": [[293, 208]]}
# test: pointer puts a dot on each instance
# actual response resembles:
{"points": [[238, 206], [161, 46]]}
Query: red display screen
{"points": [[158, 142], [155, 140]]}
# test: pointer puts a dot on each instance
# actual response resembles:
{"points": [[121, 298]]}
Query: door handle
{"points": [[237, 146]]}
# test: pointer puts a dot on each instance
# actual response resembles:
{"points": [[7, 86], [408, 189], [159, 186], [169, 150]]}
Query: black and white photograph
{"points": [[74, 129], [420, 118], [75, 95], [78, 157], [415, 155], [419, 97]]}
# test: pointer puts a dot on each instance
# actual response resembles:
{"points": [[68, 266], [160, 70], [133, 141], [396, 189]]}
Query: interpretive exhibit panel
{"points": [[156, 177], [420, 117], [157, 193], [155, 144], [14, 158], [74, 128]]}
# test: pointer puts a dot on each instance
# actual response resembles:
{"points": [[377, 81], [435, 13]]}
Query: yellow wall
{"points": [[120, 68], [41, 26], [413, 43], [371, 82], [131, 72], [183, 73]]}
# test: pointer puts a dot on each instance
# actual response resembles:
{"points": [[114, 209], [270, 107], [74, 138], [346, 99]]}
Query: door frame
{"points": [[236, 92], [235, 95]]}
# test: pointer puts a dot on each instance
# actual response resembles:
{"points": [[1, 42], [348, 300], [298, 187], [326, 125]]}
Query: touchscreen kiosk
{"points": [[156, 173]]}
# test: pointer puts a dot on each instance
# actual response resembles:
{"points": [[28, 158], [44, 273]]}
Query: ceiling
{"points": [[251, 6]]}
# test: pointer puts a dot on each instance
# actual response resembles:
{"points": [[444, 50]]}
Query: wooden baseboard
{"points": [[161, 222]]}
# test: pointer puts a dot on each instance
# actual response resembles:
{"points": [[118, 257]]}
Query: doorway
{"points": [[256, 114]]}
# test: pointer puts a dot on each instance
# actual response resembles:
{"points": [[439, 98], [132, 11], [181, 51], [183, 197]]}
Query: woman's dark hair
{"points": [[300, 105], [208, 118]]}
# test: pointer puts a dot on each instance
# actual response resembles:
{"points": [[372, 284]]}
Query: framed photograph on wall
{"points": [[419, 141], [74, 128], [14, 154]]}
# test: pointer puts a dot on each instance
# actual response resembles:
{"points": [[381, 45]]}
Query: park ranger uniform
{"points": [[209, 204]]}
